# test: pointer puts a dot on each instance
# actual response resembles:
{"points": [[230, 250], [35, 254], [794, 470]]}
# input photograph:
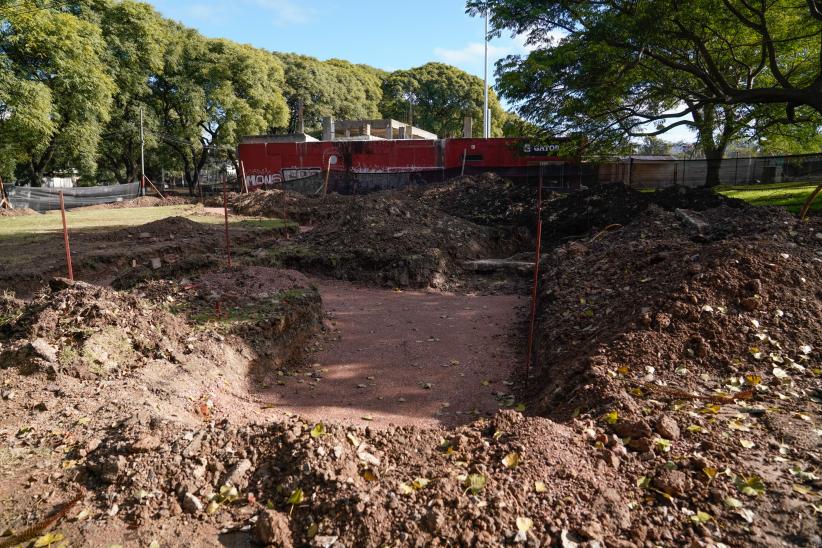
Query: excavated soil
{"points": [[142, 201], [674, 398], [397, 243], [698, 345], [17, 212]]}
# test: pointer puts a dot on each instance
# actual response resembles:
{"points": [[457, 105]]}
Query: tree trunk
{"points": [[714, 163]]}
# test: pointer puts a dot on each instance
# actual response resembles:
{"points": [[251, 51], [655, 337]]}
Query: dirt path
{"points": [[407, 357]]}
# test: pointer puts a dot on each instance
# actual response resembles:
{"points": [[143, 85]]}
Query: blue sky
{"points": [[388, 34]]}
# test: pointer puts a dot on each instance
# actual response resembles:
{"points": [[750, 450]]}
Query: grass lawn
{"points": [[118, 218], [789, 195]]}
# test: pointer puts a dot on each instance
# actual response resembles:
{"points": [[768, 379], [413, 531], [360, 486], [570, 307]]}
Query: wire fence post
{"points": [[66, 238]]}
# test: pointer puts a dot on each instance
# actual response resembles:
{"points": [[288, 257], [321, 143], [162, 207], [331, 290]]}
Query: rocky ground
{"points": [[674, 397]]}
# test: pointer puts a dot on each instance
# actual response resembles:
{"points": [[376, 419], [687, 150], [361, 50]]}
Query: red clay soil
{"points": [[407, 358]]}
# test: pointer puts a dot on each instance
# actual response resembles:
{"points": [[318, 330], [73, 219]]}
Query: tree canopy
{"points": [[439, 97], [76, 76]]}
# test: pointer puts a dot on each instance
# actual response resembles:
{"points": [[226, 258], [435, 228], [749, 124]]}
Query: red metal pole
{"points": [[66, 238], [225, 210], [536, 281]]}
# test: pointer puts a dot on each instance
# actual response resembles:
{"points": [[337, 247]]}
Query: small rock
{"points": [[749, 304], [673, 482], [633, 429], [236, 476], [156, 263], [324, 541], [146, 444], [43, 350], [667, 428], [42, 406], [8, 395], [663, 320], [192, 504], [272, 529]]}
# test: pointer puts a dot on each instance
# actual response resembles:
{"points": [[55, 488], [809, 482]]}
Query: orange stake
{"points": [[66, 238], [225, 210], [534, 290]]}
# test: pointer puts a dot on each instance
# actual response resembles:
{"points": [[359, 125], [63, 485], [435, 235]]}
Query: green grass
{"points": [[791, 196], [119, 218], [788, 195]]}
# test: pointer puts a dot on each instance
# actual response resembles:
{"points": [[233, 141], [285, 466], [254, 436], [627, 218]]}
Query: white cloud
{"points": [[472, 54], [286, 12]]}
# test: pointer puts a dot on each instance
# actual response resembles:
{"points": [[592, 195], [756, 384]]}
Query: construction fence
{"points": [[649, 172], [46, 198]]}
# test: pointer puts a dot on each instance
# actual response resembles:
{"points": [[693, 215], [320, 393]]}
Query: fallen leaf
{"points": [[802, 489], [297, 497], [611, 417], [747, 444], [420, 483], [318, 430], [539, 487], [368, 475], [475, 483], [48, 539], [753, 380], [524, 524], [512, 460], [733, 503], [751, 486], [663, 444], [701, 517]]}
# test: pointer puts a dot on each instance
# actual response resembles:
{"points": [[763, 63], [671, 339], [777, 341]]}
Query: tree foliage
{"points": [[439, 97], [56, 93], [76, 76], [728, 69], [330, 88]]}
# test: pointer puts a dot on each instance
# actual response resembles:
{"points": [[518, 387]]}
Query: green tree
{"points": [[626, 69], [331, 88], [56, 94], [210, 94], [654, 146], [439, 97], [135, 37]]}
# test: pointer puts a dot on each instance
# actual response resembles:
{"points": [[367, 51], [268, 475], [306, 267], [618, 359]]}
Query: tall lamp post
{"points": [[486, 129]]}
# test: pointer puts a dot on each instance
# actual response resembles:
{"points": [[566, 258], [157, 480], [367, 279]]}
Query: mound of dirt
{"points": [[696, 337], [486, 199], [588, 211], [389, 241], [290, 205], [85, 330], [493, 483], [142, 201], [17, 212]]}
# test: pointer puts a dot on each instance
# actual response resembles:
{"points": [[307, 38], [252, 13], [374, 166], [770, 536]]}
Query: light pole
{"points": [[485, 129]]}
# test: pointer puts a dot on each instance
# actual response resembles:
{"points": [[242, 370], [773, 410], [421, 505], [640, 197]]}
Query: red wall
{"points": [[271, 163]]}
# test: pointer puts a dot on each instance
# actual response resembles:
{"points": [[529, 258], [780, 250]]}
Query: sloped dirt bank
{"points": [[694, 338]]}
